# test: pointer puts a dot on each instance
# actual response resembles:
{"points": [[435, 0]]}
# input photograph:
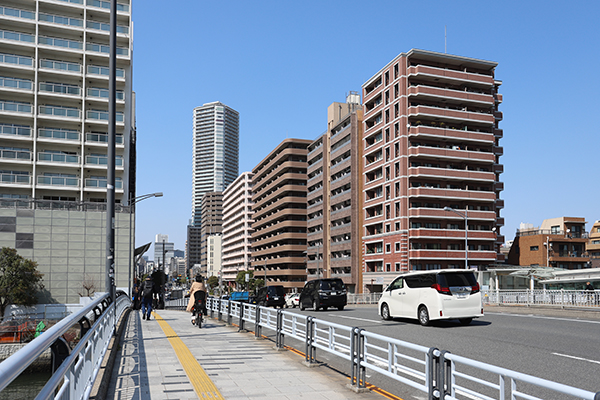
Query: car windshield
{"points": [[457, 279], [332, 285]]}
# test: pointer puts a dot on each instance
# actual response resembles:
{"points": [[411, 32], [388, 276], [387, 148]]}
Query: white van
{"points": [[433, 295]]}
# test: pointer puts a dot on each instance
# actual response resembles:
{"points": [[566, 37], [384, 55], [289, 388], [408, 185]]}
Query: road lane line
{"points": [[543, 317], [576, 358], [359, 319]]}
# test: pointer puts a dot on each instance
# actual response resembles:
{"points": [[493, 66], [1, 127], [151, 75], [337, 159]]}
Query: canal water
{"points": [[26, 386]]}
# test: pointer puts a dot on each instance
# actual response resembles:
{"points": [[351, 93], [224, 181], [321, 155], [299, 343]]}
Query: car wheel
{"points": [[385, 312], [341, 308], [465, 321], [315, 306], [423, 316]]}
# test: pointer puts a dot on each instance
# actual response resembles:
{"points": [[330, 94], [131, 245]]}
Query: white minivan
{"points": [[433, 295]]}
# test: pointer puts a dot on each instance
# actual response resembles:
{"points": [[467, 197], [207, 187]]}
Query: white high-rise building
{"points": [[54, 77], [215, 152]]}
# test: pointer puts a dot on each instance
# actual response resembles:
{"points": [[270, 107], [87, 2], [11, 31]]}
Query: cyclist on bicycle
{"points": [[198, 285]]}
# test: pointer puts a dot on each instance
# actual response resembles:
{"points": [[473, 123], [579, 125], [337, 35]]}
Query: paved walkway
{"points": [[169, 358]]}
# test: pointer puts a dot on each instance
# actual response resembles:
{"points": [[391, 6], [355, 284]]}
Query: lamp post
{"points": [[131, 204], [464, 216]]}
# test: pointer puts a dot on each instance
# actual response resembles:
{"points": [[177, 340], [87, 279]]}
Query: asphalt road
{"points": [[558, 345]]}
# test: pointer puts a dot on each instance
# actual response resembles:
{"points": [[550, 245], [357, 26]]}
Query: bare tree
{"points": [[89, 286]]}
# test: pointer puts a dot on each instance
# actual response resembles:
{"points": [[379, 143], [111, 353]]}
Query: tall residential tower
{"points": [[215, 152], [431, 166]]}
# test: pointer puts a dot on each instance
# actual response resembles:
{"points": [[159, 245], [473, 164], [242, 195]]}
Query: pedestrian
{"points": [[590, 289], [198, 285], [136, 297], [147, 291]]}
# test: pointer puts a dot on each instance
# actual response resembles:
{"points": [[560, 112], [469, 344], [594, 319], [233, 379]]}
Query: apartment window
{"points": [[396, 149], [387, 211], [398, 214], [396, 110], [534, 248], [388, 267], [396, 129], [387, 173], [397, 265], [388, 228], [397, 247], [397, 224], [555, 230], [388, 248], [397, 169], [396, 91], [387, 154], [396, 71], [387, 192], [387, 135], [387, 116], [387, 97]]}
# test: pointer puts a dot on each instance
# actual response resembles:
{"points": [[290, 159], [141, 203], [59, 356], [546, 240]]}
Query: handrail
{"points": [[15, 364]]}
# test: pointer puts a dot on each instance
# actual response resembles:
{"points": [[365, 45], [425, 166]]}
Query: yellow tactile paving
{"points": [[204, 387]]}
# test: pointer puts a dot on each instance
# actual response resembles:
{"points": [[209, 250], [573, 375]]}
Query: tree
{"points": [[89, 286], [255, 284], [212, 282], [240, 279], [20, 281]]}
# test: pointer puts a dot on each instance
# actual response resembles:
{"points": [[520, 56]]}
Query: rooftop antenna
{"points": [[445, 41]]}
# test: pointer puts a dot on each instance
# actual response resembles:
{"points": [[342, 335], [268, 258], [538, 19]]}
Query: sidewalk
{"points": [[169, 358]]}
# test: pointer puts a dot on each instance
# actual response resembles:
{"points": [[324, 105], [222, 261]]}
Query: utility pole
{"points": [[110, 175]]}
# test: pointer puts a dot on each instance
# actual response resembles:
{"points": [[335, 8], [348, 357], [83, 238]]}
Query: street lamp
{"points": [[464, 216], [130, 204]]}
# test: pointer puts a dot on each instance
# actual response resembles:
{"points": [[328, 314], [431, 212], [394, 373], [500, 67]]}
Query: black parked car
{"points": [[271, 296], [323, 293]]}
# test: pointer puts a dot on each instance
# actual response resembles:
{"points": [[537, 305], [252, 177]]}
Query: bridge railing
{"points": [[541, 297], [74, 371], [439, 373]]}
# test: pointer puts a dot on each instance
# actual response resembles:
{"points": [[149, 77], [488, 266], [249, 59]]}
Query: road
{"points": [[558, 345]]}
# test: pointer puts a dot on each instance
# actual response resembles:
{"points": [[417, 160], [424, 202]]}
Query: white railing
{"points": [[438, 373], [541, 297], [74, 371]]}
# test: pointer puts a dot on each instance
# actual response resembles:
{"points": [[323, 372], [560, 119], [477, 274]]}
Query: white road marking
{"points": [[544, 317], [359, 319], [576, 358]]}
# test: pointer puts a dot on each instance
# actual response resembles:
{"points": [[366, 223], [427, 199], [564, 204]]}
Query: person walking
{"points": [[590, 290], [147, 292], [198, 285]]}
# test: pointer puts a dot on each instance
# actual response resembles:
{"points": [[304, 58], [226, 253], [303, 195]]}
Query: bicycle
{"points": [[199, 306]]}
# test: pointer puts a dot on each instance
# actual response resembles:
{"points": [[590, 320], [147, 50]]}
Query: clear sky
{"points": [[281, 63]]}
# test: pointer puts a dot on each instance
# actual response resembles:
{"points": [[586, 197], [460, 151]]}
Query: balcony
{"points": [[448, 114], [16, 61], [11, 36], [100, 183], [499, 221], [435, 93], [450, 75], [456, 174], [61, 67], [58, 134], [16, 84], [497, 150], [60, 88], [498, 133], [21, 179], [499, 203], [105, 5], [15, 154], [16, 108], [439, 213], [498, 168], [453, 255], [454, 154], [456, 194], [498, 115], [66, 44], [59, 111], [100, 160], [101, 115], [64, 181], [498, 186], [17, 13], [450, 132], [58, 158], [15, 131], [101, 138]]}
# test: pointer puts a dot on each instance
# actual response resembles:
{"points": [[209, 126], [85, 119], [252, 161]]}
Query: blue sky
{"points": [[281, 63]]}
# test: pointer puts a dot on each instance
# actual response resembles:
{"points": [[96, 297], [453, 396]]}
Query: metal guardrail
{"points": [[74, 371], [555, 298], [439, 373]]}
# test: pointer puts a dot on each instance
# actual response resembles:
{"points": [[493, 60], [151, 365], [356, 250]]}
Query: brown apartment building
{"points": [[211, 226], [335, 197], [431, 166], [558, 243], [593, 246], [279, 205]]}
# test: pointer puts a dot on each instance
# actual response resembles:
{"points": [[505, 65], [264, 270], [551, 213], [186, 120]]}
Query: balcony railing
{"points": [[103, 93], [58, 158], [104, 71], [103, 160], [66, 134], [59, 111], [16, 130], [102, 48], [60, 88], [101, 138], [60, 65], [15, 154], [100, 26], [60, 42], [106, 5], [57, 19], [58, 181], [101, 183], [16, 83], [15, 106], [15, 12], [21, 179], [103, 115], [17, 36], [16, 60]]}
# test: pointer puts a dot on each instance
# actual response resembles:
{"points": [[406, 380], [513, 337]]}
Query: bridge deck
{"points": [[168, 358]]}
